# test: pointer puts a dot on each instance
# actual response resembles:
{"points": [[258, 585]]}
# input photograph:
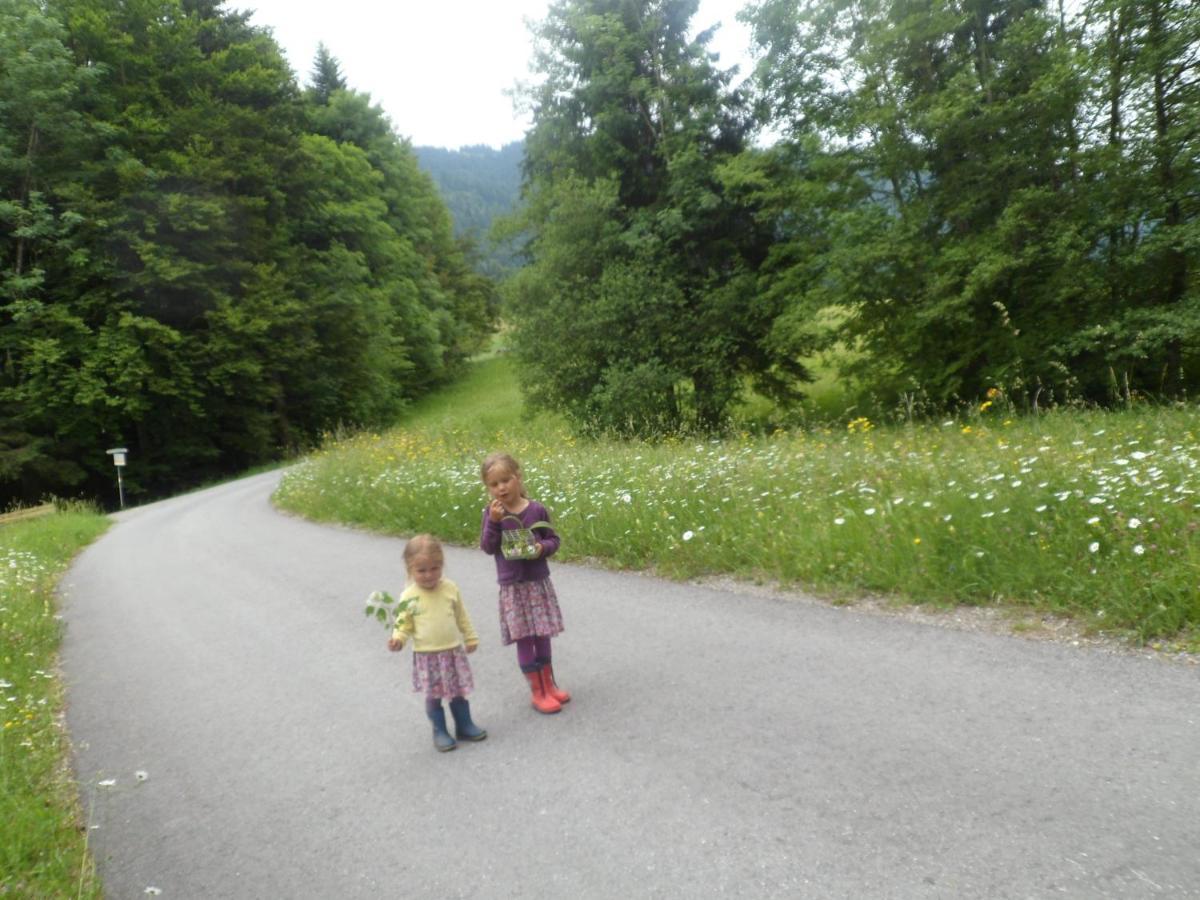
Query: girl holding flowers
{"points": [[431, 614]]}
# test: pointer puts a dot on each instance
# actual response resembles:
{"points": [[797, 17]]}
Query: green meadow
{"points": [[43, 848], [1080, 513]]}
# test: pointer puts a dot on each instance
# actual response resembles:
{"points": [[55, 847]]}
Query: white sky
{"points": [[439, 68]]}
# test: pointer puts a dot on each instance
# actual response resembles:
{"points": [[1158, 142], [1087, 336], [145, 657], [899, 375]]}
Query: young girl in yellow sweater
{"points": [[432, 615]]}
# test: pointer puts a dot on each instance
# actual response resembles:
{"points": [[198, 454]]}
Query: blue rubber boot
{"points": [[464, 728], [441, 737]]}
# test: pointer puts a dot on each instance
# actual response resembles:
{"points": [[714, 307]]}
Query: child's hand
{"points": [[395, 644], [540, 549], [471, 648], [496, 510]]}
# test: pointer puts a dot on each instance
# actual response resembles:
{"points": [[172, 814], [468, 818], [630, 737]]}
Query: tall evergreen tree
{"points": [[326, 76], [638, 310]]}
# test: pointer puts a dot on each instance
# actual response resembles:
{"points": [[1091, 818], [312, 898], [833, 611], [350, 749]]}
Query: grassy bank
{"points": [[1084, 513], [43, 849]]}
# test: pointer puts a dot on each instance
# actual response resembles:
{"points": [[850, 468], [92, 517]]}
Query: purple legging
{"points": [[533, 652]]}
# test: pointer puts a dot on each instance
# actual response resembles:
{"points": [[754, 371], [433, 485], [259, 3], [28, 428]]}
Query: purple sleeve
{"points": [[489, 534], [547, 536]]}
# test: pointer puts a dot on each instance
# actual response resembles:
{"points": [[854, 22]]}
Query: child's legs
{"points": [[541, 649], [527, 654]]}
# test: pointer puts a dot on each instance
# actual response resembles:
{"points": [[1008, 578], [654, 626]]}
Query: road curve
{"points": [[240, 731]]}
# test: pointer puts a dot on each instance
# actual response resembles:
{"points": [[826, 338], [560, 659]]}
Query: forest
{"points": [[480, 184], [204, 261], [200, 260], [964, 198]]}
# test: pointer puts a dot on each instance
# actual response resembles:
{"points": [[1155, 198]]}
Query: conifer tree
{"points": [[325, 77], [638, 310]]}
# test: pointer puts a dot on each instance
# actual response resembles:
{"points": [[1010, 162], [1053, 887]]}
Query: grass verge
{"points": [[1087, 514], [43, 848]]}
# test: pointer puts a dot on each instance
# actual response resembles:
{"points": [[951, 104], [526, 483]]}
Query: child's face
{"points": [[504, 485], [426, 570]]}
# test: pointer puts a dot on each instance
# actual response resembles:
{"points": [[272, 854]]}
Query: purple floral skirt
{"points": [[529, 609], [443, 674]]}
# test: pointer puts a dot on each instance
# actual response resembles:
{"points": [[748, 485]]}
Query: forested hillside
{"points": [[479, 184], [968, 198], [199, 260]]}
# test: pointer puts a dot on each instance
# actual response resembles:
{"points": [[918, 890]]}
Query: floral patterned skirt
{"points": [[443, 674], [529, 609]]}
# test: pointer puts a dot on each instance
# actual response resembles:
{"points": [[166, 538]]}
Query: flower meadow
{"points": [[43, 852], [1085, 513]]}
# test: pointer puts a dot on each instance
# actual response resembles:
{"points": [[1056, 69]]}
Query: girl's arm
{"points": [[470, 638], [402, 631], [489, 535], [546, 536]]}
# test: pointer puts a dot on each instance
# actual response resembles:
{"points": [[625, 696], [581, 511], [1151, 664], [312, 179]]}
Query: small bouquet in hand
{"points": [[383, 606]]}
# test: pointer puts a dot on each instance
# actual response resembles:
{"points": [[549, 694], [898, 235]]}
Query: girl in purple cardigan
{"points": [[529, 613]]}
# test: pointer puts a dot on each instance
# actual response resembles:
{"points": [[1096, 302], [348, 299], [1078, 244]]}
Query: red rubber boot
{"points": [[551, 688], [542, 701]]}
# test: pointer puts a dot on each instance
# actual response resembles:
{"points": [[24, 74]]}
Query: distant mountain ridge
{"points": [[478, 184]]}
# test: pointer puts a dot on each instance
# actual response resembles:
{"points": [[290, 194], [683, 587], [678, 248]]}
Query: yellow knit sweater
{"points": [[436, 620]]}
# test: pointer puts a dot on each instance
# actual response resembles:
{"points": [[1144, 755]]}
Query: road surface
{"points": [[241, 731]]}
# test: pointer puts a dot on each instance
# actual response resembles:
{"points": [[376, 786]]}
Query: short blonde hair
{"points": [[422, 545]]}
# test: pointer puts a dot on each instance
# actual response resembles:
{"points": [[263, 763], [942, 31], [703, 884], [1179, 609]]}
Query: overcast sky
{"points": [[439, 68]]}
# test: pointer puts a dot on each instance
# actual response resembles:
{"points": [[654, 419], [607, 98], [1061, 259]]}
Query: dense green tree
{"points": [[935, 140], [638, 309], [42, 134], [1143, 185], [985, 192], [445, 309]]}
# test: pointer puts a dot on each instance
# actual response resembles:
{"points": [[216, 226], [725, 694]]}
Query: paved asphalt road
{"points": [[264, 744]]}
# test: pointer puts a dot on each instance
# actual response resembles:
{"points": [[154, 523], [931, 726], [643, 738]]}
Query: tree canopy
{"points": [[992, 191], [637, 310], [199, 260], [968, 196]]}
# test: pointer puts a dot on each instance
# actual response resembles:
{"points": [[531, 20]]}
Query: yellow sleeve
{"points": [[405, 625], [464, 620]]}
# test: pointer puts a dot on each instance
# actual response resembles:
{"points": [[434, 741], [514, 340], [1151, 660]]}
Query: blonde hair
{"points": [[501, 459], [422, 545]]}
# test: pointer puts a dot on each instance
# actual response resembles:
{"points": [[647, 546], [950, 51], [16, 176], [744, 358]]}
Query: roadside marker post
{"points": [[118, 455]]}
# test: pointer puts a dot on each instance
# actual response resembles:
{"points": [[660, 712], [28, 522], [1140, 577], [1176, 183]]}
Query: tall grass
{"points": [[43, 847], [1086, 513]]}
